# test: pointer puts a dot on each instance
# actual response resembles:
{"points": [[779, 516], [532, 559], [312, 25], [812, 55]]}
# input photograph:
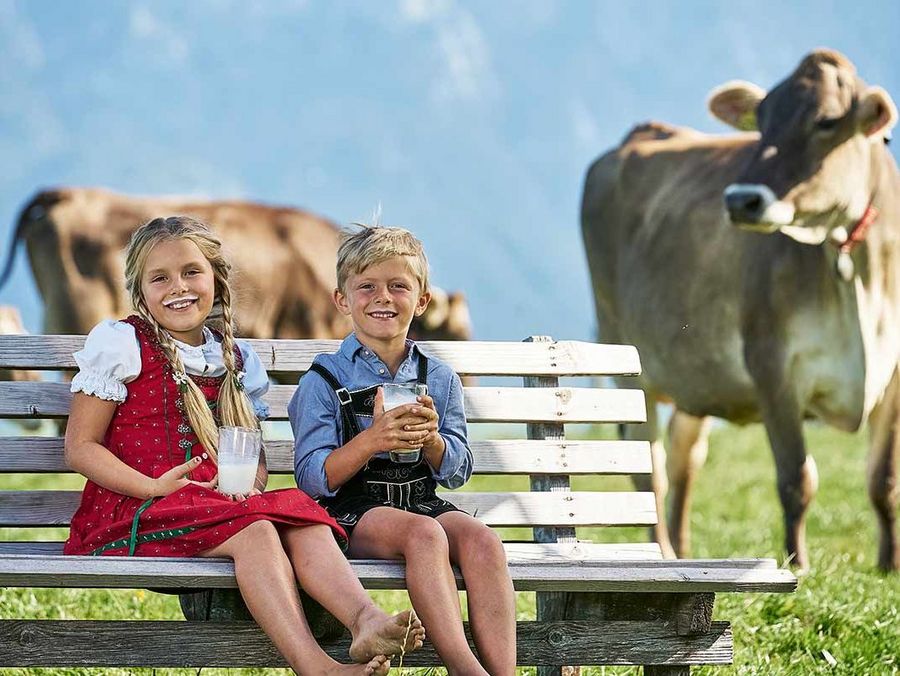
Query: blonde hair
{"points": [[371, 245], [234, 406]]}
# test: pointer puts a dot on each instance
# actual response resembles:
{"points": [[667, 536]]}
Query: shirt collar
{"points": [[209, 342], [351, 347]]}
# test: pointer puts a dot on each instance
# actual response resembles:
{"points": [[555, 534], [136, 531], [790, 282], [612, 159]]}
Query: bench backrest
{"points": [[533, 396]]}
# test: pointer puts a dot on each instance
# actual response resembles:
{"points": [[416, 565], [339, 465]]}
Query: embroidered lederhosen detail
{"points": [[380, 482]]}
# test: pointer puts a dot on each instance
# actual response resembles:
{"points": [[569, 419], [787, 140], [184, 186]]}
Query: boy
{"points": [[390, 510]]}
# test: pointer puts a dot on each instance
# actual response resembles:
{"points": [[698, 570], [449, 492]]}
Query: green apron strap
{"points": [[132, 541]]}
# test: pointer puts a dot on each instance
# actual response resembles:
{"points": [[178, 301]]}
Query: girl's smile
{"points": [[178, 287], [178, 304]]}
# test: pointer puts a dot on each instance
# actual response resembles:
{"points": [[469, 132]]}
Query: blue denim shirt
{"points": [[314, 412]]}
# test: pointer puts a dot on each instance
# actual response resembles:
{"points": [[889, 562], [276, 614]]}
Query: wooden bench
{"points": [[597, 603]]}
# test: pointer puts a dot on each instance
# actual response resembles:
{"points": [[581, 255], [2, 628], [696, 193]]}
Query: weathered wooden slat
{"points": [[53, 643], [563, 358], [582, 576], [38, 455], [34, 400], [483, 404], [516, 404], [507, 456], [588, 508], [515, 551]]}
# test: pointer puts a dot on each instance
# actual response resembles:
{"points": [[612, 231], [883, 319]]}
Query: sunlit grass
{"points": [[843, 606]]}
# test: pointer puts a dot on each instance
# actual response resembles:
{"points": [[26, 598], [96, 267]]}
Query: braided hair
{"points": [[234, 406]]}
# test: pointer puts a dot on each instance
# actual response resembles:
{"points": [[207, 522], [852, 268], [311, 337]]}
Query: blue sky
{"points": [[472, 123]]}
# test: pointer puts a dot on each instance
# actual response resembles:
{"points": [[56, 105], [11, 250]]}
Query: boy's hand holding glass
{"points": [[389, 430], [428, 423]]}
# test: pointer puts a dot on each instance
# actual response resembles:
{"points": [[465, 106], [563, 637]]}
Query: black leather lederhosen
{"points": [[381, 483]]}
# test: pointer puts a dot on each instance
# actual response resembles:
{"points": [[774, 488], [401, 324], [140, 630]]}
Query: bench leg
{"points": [[553, 606], [690, 613]]}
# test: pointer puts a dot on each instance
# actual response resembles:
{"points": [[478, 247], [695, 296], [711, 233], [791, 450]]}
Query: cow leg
{"points": [[688, 447], [796, 471], [657, 481], [884, 455]]}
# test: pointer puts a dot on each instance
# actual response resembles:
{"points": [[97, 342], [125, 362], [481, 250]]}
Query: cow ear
{"points": [[459, 321], [436, 312], [877, 112], [735, 103]]}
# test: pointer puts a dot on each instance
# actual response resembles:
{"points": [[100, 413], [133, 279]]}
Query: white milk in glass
{"points": [[237, 477], [238, 459], [397, 394]]}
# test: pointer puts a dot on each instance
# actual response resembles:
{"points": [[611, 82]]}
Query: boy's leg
{"points": [[479, 553], [273, 601], [326, 575], [388, 533]]}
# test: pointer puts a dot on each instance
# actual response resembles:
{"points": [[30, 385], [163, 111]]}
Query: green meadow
{"points": [[844, 618]]}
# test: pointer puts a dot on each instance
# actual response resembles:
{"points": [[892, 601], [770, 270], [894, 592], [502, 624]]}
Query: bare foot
{"points": [[376, 633], [377, 666]]}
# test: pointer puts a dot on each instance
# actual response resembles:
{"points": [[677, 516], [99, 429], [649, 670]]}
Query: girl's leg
{"points": [[479, 553], [388, 533], [267, 584], [325, 574]]}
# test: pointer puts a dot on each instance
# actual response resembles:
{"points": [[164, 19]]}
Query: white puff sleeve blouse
{"points": [[111, 357]]}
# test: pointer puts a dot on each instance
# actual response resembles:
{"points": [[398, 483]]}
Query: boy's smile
{"points": [[381, 301], [178, 287]]}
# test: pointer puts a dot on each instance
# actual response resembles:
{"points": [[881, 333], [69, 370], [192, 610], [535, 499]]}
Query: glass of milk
{"points": [[238, 459], [397, 394]]}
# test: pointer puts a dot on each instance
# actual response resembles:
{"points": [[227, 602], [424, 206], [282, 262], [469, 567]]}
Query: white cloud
{"points": [[469, 73], [466, 71], [252, 9], [169, 46], [20, 41], [30, 129], [421, 11]]}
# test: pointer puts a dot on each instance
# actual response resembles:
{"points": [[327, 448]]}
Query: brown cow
{"points": [[759, 276], [284, 264]]}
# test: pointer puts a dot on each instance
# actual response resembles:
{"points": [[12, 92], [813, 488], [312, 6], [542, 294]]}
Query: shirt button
{"points": [[381, 371]]}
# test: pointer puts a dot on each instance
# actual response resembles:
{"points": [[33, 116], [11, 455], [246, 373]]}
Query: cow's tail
{"points": [[36, 209]]}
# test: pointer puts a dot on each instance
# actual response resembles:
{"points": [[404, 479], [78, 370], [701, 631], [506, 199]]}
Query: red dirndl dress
{"points": [[150, 432]]}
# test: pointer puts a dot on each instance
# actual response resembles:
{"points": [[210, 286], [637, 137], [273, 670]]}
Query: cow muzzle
{"points": [[755, 207]]}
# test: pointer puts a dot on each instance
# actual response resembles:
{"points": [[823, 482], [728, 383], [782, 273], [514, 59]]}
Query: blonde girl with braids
{"points": [[149, 397]]}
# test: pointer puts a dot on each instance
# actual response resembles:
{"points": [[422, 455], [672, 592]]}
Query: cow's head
{"points": [[446, 318], [810, 174]]}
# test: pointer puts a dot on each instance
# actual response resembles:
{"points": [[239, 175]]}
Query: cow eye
{"points": [[827, 123]]}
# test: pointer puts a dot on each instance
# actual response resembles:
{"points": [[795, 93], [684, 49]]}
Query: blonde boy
{"points": [[390, 510]]}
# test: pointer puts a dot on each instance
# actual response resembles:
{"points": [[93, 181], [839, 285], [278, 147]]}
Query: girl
{"points": [[149, 396]]}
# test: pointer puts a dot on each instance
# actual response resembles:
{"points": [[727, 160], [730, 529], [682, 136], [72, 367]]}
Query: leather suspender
{"points": [[351, 425], [423, 371]]}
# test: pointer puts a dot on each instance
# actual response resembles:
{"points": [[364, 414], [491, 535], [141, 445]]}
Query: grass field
{"points": [[843, 606]]}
